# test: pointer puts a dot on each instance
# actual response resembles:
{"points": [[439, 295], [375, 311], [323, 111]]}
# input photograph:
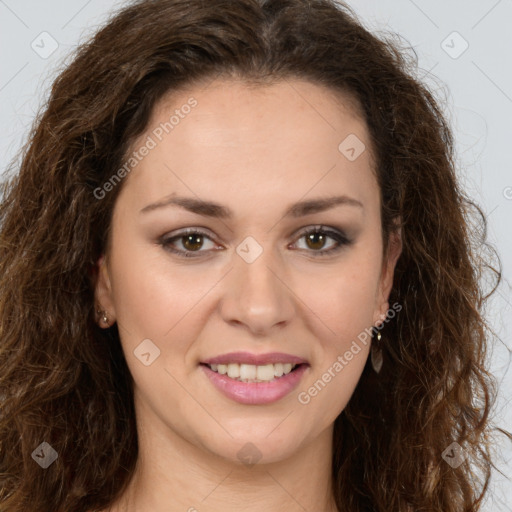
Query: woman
{"points": [[199, 168]]}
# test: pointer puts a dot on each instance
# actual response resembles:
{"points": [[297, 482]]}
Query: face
{"points": [[250, 224]]}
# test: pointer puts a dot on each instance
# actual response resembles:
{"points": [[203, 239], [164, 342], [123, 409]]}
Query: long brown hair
{"points": [[65, 381]]}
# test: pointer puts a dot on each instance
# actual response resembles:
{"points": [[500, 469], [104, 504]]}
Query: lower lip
{"points": [[256, 393]]}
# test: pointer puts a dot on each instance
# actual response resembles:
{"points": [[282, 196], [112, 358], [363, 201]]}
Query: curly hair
{"points": [[65, 381]]}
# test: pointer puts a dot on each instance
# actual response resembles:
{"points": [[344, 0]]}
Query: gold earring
{"points": [[104, 315], [376, 356]]}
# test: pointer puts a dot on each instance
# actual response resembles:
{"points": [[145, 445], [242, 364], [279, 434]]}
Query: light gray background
{"points": [[474, 84]]}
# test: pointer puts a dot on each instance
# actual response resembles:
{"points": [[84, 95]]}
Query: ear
{"points": [[103, 294], [386, 276]]}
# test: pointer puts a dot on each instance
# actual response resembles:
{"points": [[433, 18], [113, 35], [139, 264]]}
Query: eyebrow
{"points": [[216, 210]]}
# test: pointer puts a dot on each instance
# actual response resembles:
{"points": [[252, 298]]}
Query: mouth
{"points": [[255, 381]]}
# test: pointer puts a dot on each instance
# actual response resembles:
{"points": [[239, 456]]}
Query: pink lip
{"points": [[254, 393], [255, 359]]}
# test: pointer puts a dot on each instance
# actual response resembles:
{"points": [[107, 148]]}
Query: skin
{"points": [[256, 150]]}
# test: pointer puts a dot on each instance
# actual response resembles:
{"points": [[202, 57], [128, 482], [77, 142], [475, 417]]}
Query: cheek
{"points": [[343, 309], [159, 302], [155, 299], [343, 300], [329, 389]]}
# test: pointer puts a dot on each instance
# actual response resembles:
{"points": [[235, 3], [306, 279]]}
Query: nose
{"points": [[258, 295]]}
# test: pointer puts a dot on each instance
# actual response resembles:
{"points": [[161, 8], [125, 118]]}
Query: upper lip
{"points": [[255, 359]]}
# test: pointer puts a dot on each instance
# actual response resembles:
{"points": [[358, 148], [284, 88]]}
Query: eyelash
{"points": [[339, 237]]}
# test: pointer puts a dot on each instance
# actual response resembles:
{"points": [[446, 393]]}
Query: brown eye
{"points": [[188, 243], [192, 242], [317, 238]]}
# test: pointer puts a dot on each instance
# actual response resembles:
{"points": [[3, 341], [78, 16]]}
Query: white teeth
{"points": [[248, 372], [253, 373], [233, 370], [265, 372]]}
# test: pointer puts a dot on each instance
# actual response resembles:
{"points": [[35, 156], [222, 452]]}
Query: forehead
{"points": [[229, 136], [281, 103]]}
